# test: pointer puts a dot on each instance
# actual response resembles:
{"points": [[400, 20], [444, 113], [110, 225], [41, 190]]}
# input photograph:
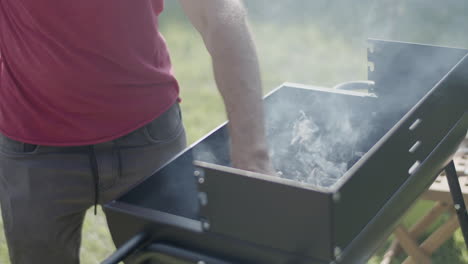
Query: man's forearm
{"points": [[237, 75], [223, 26]]}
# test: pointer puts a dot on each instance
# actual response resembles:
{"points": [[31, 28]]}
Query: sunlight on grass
{"points": [[97, 243], [4, 256]]}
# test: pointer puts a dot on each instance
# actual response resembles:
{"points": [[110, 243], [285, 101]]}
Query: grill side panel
{"points": [[398, 155]]}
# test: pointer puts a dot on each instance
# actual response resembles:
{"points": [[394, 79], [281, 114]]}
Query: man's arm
{"points": [[223, 27]]}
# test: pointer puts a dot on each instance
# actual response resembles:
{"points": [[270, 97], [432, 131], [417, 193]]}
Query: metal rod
{"points": [[457, 197], [126, 249], [158, 251]]}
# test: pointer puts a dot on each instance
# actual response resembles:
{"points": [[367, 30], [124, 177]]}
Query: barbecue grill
{"points": [[198, 209]]}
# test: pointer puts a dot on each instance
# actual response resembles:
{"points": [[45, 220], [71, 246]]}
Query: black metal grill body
{"points": [[241, 217]]}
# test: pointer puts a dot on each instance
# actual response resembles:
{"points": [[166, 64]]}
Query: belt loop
{"points": [[95, 173]]}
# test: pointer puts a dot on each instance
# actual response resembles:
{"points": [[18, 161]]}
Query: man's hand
{"points": [[223, 27]]}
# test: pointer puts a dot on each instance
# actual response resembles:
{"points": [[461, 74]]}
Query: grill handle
{"points": [[355, 86], [127, 249]]}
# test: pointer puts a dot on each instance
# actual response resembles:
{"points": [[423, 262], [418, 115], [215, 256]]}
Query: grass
{"points": [[288, 52]]}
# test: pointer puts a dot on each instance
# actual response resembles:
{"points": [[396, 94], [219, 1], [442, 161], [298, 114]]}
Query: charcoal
{"points": [[313, 153]]}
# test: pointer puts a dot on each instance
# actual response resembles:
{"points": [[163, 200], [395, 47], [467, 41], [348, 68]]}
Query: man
{"points": [[89, 107]]}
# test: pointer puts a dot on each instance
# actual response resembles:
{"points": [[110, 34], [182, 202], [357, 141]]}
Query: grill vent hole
{"points": [[415, 124], [414, 167], [415, 146]]}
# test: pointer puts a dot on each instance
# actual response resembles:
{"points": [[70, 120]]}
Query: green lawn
{"points": [[288, 52]]}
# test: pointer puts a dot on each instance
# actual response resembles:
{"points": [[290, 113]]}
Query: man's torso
{"points": [[81, 72]]}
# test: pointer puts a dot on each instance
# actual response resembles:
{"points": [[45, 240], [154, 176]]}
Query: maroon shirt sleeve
{"points": [[81, 72]]}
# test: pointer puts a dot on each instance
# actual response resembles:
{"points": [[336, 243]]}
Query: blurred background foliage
{"points": [[319, 42]]}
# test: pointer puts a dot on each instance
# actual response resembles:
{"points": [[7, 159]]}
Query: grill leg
{"points": [[127, 249], [457, 197], [165, 253]]}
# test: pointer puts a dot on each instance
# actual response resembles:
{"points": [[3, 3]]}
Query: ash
{"points": [[313, 154]]}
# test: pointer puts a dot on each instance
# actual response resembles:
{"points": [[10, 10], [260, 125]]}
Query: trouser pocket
{"points": [[166, 127]]}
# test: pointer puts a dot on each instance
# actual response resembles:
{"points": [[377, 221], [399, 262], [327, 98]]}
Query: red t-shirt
{"points": [[81, 72]]}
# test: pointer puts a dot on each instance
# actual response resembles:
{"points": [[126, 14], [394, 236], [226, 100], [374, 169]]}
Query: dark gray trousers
{"points": [[45, 191]]}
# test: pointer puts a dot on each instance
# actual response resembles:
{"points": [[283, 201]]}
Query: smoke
{"points": [[214, 149], [315, 136], [314, 152], [323, 43], [429, 22], [316, 155]]}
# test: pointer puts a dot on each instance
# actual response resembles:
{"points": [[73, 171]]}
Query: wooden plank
{"points": [[410, 246], [418, 229], [436, 239], [392, 251], [440, 191], [441, 235], [461, 158]]}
